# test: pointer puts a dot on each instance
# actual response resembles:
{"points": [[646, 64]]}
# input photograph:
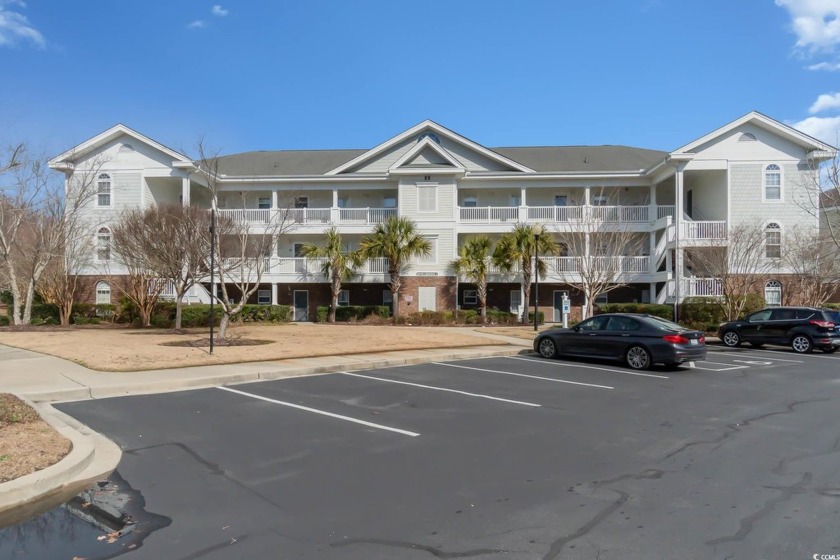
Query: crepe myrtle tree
{"points": [[517, 249], [243, 249], [397, 240], [473, 263]]}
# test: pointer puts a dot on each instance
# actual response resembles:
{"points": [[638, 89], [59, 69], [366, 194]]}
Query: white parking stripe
{"points": [[746, 354], [321, 412], [528, 376], [561, 364], [730, 367], [478, 395], [777, 352]]}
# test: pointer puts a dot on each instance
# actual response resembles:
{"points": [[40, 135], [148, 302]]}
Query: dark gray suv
{"points": [[801, 328]]}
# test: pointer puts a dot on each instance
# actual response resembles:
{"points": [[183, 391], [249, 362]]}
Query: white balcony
{"points": [[309, 216], [298, 269], [704, 231], [704, 287], [561, 214], [557, 267]]}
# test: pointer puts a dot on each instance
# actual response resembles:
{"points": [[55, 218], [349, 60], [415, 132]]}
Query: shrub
{"points": [[4, 321], [701, 314], [265, 314], [345, 313], [199, 316], [835, 306], [159, 321], [80, 320], [658, 310]]}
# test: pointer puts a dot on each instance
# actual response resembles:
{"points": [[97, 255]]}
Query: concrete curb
{"points": [[91, 458]]}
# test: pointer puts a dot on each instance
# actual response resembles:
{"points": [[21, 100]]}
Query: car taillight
{"points": [[675, 338], [826, 324], [702, 339]]}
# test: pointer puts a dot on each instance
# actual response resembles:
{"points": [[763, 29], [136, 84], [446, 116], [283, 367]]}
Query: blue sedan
{"points": [[637, 340]]}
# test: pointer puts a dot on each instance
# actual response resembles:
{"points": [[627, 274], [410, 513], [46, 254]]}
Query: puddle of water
{"points": [[105, 521]]}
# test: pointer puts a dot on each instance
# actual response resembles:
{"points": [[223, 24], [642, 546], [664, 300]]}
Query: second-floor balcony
{"points": [[562, 214], [308, 216], [560, 266], [297, 268]]}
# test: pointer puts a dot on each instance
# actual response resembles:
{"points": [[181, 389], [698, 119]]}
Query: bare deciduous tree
{"points": [[740, 267], [814, 261], [243, 249], [595, 252]]}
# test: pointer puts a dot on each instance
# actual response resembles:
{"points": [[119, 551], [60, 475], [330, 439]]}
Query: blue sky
{"points": [[320, 74]]}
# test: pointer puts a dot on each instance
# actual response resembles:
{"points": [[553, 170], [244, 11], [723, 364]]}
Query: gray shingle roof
{"points": [[544, 159]]}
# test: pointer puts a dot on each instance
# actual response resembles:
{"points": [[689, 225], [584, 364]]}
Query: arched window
{"points": [[746, 137], [103, 293], [103, 190], [103, 244], [773, 293], [773, 241], [772, 182]]}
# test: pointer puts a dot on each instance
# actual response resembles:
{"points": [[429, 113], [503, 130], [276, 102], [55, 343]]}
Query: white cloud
{"points": [[14, 26], [816, 23], [824, 102], [219, 11], [826, 129], [197, 24], [827, 66]]}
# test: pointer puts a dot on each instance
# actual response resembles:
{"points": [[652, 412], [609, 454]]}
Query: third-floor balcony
{"points": [[309, 216]]}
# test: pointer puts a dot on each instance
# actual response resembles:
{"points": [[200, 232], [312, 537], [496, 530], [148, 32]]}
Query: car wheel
{"points": [[801, 344], [731, 339], [831, 350], [547, 348], [637, 358]]}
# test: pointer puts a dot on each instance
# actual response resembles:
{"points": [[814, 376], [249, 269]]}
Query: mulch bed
{"points": [[205, 342], [27, 443]]}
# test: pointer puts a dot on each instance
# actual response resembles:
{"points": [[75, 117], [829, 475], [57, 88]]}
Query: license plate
{"points": [[693, 342]]}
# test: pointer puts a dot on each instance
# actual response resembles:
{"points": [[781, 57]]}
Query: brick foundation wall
{"points": [[444, 295]]}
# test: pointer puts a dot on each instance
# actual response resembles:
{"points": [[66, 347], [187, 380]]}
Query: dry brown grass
{"points": [[27, 443], [120, 349]]}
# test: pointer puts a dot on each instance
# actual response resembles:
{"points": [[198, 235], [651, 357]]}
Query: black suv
{"points": [[801, 328]]}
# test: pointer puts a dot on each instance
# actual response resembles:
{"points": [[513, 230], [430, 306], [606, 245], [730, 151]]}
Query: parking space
{"points": [[493, 458]]}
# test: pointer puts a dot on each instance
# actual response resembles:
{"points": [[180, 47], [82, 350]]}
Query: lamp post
{"points": [[212, 268], [537, 229]]}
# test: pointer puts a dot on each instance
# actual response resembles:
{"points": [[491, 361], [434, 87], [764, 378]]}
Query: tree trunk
{"points": [[27, 306], [223, 324], [15, 296], [396, 284], [333, 305], [64, 312], [526, 301], [145, 316], [179, 302]]}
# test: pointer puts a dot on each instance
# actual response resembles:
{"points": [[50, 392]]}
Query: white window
{"points": [[470, 202], [301, 202], [599, 200], [746, 137], [560, 200], [344, 297], [773, 241], [431, 258], [515, 200], [264, 297], [470, 297], [103, 245], [103, 190], [103, 293], [602, 300], [342, 202], [773, 183], [427, 198], [389, 202], [773, 293], [264, 203]]}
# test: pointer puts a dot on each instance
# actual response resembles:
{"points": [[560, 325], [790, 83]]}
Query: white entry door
{"points": [[516, 302], [427, 299]]}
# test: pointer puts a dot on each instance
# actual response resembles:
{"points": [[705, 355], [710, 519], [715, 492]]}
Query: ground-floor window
{"points": [[387, 297], [264, 297], [470, 297], [602, 299], [103, 293], [773, 293], [344, 297]]}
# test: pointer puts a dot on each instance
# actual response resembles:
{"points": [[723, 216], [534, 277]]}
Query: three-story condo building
{"points": [[753, 170]]}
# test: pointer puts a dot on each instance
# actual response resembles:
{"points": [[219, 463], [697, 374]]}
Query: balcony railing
{"points": [[299, 266], [315, 216], [560, 214], [705, 287], [704, 230], [561, 265]]}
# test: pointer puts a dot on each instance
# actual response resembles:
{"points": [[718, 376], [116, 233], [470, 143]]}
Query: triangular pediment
{"points": [[429, 143], [116, 132]]}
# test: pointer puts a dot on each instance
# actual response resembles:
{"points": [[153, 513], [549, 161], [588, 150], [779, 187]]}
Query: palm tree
{"points": [[339, 264], [397, 240], [473, 263], [518, 247]]}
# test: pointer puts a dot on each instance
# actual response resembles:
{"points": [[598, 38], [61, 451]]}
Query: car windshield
{"points": [[666, 325], [833, 316]]}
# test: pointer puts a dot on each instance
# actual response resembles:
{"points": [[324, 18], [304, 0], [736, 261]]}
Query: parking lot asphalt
{"points": [[517, 457]]}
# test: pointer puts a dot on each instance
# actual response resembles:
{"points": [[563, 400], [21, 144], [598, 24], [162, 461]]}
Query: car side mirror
{"points": [[576, 328]]}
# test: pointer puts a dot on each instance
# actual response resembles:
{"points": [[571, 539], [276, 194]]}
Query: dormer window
{"points": [[773, 183], [103, 190]]}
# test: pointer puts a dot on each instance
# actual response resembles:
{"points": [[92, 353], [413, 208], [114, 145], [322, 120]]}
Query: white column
{"points": [[654, 212], [274, 293], [273, 200], [652, 253], [335, 198], [185, 191], [586, 196], [678, 221], [522, 200]]}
